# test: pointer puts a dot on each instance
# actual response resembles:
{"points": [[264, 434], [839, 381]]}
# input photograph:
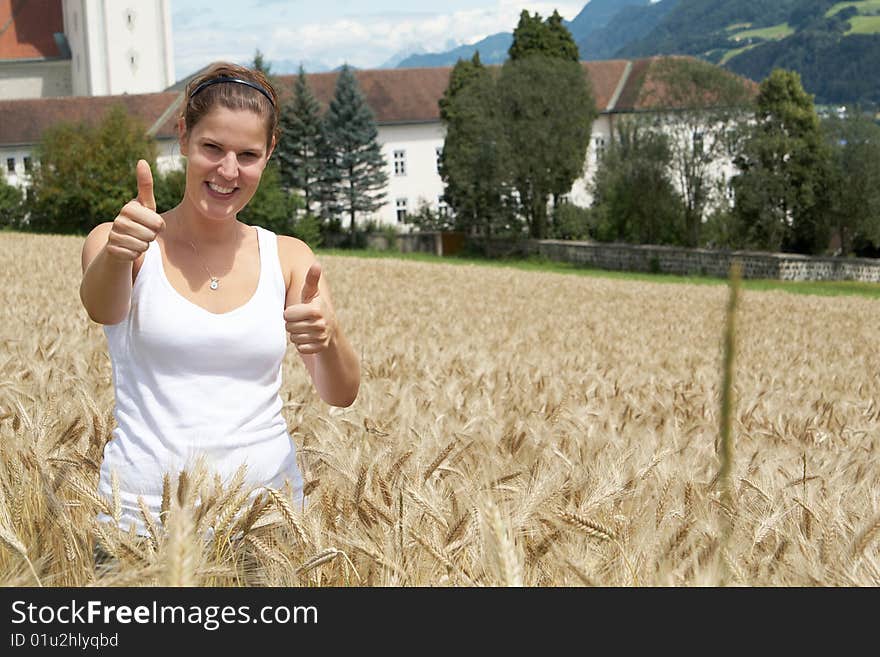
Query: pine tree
{"points": [[299, 148], [353, 143], [260, 63]]}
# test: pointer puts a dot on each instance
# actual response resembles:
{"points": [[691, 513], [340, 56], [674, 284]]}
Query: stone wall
{"points": [[705, 262], [693, 262]]}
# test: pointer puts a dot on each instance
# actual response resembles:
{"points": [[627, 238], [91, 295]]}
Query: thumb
{"points": [[310, 287], [145, 185]]}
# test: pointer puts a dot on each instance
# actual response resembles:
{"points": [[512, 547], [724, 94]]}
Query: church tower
{"points": [[119, 46], [52, 48]]}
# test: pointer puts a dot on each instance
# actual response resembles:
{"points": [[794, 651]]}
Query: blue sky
{"points": [[328, 33]]}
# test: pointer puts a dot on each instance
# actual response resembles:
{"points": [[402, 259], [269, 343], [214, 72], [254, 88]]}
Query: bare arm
{"points": [[105, 290], [111, 249], [311, 321]]}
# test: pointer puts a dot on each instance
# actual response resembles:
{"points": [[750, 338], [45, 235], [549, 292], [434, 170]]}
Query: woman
{"points": [[195, 305]]}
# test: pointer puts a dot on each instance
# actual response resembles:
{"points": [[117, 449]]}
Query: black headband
{"points": [[252, 85]]}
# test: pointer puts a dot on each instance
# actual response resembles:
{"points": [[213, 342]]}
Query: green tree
{"points": [[785, 165], [637, 158], [855, 201], [463, 73], [549, 38], [86, 173], [352, 139], [707, 106], [547, 111], [300, 146], [169, 188], [271, 206], [11, 208], [475, 160], [328, 182], [260, 64]]}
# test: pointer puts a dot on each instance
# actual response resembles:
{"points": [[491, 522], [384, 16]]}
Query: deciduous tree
{"points": [[700, 106], [85, 173], [475, 160], [782, 198], [855, 187]]}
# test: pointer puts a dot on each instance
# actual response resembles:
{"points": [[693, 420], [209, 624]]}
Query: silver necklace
{"points": [[215, 282]]}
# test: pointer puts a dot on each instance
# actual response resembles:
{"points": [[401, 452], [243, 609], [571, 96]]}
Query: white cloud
{"points": [[363, 41]]}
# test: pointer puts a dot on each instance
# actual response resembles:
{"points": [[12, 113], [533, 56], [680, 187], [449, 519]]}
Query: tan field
{"points": [[512, 428]]}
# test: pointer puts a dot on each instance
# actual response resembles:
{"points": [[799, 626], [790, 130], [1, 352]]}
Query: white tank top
{"points": [[190, 383]]}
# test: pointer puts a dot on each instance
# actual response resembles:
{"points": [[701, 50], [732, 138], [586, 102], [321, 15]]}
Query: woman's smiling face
{"points": [[226, 154]]}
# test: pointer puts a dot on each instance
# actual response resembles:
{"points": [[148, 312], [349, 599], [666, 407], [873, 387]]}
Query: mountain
{"points": [[400, 55], [493, 49], [290, 66], [630, 23], [835, 46]]}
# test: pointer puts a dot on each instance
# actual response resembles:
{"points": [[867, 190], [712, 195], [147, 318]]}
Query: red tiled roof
{"points": [[27, 28], [647, 86], [604, 77], [25, 121], [404, 95], [395, 96]]}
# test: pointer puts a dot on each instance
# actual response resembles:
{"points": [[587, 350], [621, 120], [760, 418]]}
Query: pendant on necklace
{"points": [[215, 283]]}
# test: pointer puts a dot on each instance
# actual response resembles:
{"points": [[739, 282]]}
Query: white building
{"points": [[51, 48], [405, 105]]}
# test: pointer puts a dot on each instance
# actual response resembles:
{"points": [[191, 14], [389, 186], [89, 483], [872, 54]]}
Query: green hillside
{"points": [[835, 46]]}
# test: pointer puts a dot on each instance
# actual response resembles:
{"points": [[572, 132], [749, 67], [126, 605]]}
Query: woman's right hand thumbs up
{"points": [[137, 224]]}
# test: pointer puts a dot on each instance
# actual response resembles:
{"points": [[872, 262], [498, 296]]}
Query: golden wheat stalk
{"points": [[588, 526], [9, 537], [288, 514]]}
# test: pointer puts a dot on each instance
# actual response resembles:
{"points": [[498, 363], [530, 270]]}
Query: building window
{"points": [[399, 163], [401, 210], [10, 164], [442, 208], [27, 164], [439, 151], [599, 145]]}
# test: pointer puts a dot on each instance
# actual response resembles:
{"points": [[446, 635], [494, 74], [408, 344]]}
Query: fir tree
{"points": [[353, 143], [299, 148]]}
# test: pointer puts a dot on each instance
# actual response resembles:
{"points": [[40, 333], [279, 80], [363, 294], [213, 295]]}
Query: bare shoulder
{"points": [[296, 257]]}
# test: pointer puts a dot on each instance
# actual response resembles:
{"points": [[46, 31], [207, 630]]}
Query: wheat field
{"points": [[512, 428]]}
